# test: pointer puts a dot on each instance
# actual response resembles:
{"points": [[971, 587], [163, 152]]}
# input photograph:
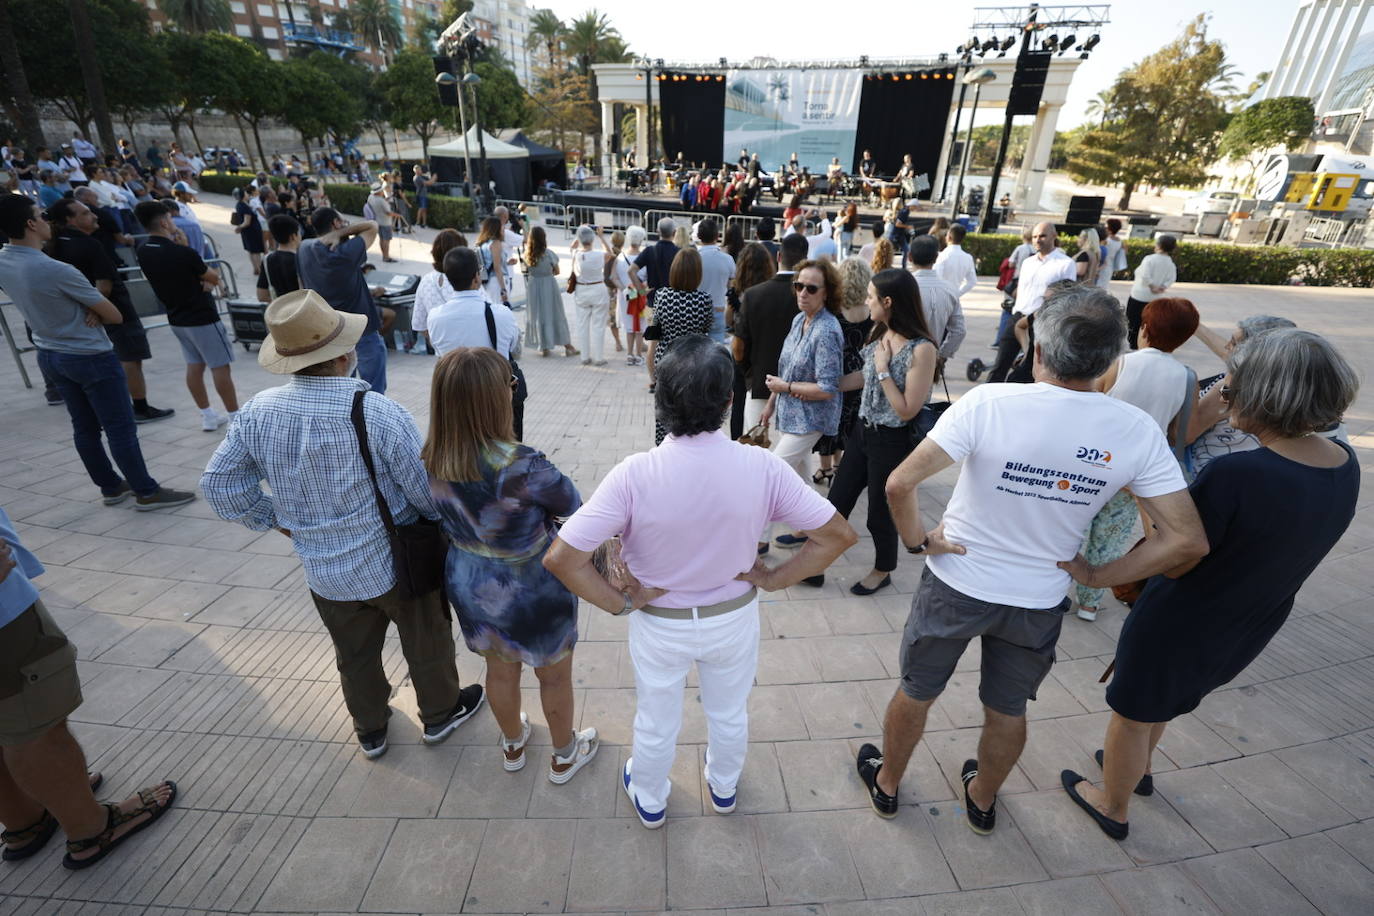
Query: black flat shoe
{"points": [[869, 763], [979, 821], [1145, 787], [1117, 830], [814, 581], [859, 588]]}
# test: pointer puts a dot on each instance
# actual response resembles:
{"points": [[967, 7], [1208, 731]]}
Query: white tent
{"points": [[507, 164], [496, 149]]}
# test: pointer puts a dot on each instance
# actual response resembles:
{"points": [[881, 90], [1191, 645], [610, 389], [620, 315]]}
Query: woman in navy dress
{"points": [[498, 501], [1271, 516], [249, 229]]}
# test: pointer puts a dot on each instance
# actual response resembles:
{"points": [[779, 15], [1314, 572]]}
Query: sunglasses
{"points": [[1226, 392], [809, 287]]}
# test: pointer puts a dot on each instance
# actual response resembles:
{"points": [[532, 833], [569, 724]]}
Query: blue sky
{"points": [[1253, 31]]}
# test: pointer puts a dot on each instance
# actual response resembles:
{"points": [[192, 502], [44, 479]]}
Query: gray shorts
{"points": [[207, 344], [384, 231], [1018, 645]]}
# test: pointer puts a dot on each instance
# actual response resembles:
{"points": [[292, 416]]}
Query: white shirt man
{"points": [[461, 321], [1037, 273], [955, 266], [1156, 272], [83, 148]]}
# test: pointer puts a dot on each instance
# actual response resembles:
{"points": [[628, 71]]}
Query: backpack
{"points": [[369, 213], [1005, 273], [484, 255]]}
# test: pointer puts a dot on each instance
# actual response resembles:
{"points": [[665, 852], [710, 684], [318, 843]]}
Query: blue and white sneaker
{"points": [[721, 804], [651, 819]]}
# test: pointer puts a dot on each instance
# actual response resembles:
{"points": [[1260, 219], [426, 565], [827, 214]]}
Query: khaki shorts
{"points": [[39, 686]]}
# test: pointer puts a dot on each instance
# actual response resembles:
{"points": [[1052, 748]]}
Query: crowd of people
{"points": [[801, 346]]}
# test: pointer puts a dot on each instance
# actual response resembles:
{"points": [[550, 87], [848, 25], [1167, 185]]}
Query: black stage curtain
{"points": [[693, 115], [897, 117]]}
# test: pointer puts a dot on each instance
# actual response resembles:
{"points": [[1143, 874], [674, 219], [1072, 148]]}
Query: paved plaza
{"points": [[203, 660]]}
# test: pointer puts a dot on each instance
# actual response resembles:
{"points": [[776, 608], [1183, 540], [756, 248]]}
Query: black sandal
{"points": [[824, 476], [35, 836], [105, 841], [1145, 787], [1117, 830]]}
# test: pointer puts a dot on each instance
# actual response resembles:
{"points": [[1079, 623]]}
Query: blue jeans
{"points": [[97, 397], [718, 326], [1007, 318], [372, 361]]}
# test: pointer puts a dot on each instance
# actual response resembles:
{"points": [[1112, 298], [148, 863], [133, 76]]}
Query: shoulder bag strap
{"points": [[1185, 414], [360, 428]]}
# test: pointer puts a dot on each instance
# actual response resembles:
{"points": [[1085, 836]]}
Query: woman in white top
{"points": [[1153, 277], [1115, 258], [434, 287], [591, 295], [629, 283], [491, 253], [1153, 380]]}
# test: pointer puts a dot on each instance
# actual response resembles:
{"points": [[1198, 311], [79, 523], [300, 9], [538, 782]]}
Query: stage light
{"points": [[989, 45], [1067, 44], [949, 75], [639, 76], [720, 77], [1008, 42], [724, 62], [909, 76], [1051, 44], [863, 60], [1091, 43]]}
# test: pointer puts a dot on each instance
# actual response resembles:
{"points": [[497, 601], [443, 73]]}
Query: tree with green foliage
{"points": [[1279, 123], [18, 99], [308, 100], [342, 111], [1163, 118], [548, 30], [501, 102], [591, 39], [374, 21], [198, 62], [251, 90], [411, 97], [196, 17]]}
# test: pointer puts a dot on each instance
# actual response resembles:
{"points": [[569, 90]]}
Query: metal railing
{"points": [[605, 217], [17, 350], [545, 213]]}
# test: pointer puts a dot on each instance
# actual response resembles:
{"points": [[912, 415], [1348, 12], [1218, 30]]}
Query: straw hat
{"points": [[303, 330]]}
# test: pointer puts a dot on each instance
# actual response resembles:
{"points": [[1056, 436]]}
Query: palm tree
{"points": [[591, 39], [546, 27], [83, 39], [200, 16], [373, 19]]}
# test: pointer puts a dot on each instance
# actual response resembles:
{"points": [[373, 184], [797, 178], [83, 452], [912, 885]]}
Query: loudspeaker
{"points": [[1085, 211], [1028, 84], [448, 95]]}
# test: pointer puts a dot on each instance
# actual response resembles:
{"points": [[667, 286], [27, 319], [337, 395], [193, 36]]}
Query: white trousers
{"points": [[590, 307], [753, 411], [725, 650], [794, 449]]}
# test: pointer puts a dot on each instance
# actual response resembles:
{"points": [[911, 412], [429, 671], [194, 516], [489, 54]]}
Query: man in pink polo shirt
{"points": [[687, 513]]}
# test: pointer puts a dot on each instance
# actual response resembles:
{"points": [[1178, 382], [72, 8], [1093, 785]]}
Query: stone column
{"points": [[1031, 182], [607, 152], [641, 136]]}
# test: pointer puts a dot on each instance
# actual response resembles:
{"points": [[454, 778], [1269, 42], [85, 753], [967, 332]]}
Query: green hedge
{"points": [[1220, 262], [444, 212]]}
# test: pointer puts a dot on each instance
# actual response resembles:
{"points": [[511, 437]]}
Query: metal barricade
{"points": [[544, 213], [17, 349], [146, 303], [605, 217], [686, 218]]}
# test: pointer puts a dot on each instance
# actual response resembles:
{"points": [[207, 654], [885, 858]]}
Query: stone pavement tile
{"points": [[281, 572], [142, 866], [67, 586], [1242, 882], [110, 691], [1064, 839], [1252, 722], [523, 867], [951, 749], [238, 606], [409, 781], [612, 711], [1161, 889], [130, 595], [1325, 874], [819, 775], [846, 658], [231, 867], [996, 902], [775, 713], [1159, 834], [806, 858], [855, 615], [311, 879], [684, 781], [837, 710], [182, 601], [794, 619], [960, 703], [786, 661], [72, 546], [1051, 748], [760, 789], [615, 866], [998, 859], [1358, 840], [596, 664], [1078, 896], [151, 644], [896, 907], [192, 564], [94, 633], [1285, 797], [1190, 742], [426, 867], [898, 857], [1213, 808], [1080, 677], [712, 861], [481, 788], [591, 793], [1308, 697], [1081, 639]]}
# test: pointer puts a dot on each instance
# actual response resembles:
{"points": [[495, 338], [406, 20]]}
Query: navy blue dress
{"points": [[509, 606], [250, 233], [1270, 522]]}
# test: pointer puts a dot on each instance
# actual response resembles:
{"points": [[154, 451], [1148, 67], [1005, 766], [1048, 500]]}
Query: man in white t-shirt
{"points": [[1039, 461], [955, 265], [1047, 266], [717, 270]]}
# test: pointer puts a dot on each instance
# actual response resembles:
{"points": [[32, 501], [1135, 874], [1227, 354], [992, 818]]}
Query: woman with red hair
{"points": [[1153, 380]]}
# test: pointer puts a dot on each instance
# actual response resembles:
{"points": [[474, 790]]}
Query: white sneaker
{"points": [[1087, 613], [561, 769], [212, 422], [515, 750]]}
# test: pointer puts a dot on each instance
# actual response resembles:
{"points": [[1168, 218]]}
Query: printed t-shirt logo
{"points": [[1098, 458]]}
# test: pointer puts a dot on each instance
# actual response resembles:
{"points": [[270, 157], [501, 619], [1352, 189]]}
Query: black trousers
{"points": [[1008, 347], [737, 405], [870, 455], [1134, 310]]}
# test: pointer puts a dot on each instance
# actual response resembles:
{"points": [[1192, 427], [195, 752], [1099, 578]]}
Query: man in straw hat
{"points": [[299, 438]]}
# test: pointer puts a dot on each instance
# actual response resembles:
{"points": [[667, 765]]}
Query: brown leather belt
{"points": [[709, 610]]}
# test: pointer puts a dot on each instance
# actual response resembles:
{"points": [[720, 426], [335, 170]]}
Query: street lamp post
{"points": [[473, 80], [977, 79]]}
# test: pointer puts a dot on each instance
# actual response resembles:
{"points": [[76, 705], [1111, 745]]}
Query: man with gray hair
{"points": [[1039, 461], [939, 300]]}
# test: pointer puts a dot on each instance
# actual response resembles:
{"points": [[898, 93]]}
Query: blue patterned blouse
{"points": [[812, 354]]}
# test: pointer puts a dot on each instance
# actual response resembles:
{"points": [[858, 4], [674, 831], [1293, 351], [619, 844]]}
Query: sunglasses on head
{"points": [[809, 287]]}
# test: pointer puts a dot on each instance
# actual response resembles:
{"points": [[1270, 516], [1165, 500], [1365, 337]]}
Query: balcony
{"points": [[305, 33]]}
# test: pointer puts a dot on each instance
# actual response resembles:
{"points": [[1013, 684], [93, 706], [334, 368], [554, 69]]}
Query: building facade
{"points": [[505, 24]]}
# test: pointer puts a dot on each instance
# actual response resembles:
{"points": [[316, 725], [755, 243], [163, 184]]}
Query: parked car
{"points": [[1210, 201]]}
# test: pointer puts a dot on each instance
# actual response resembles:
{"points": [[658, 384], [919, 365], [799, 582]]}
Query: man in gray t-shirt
{"points": [[66, 313]]}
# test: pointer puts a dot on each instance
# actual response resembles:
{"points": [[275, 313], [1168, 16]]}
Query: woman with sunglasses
{"points": [[805, 392], [898, 368]]}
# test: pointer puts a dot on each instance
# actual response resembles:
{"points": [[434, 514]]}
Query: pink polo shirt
{"points": [[689, 512]]}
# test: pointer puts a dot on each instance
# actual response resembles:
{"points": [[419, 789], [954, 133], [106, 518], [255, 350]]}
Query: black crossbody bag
{"points": [[521, 390], [418, 550]]}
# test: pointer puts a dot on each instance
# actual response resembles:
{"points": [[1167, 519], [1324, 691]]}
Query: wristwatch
{"points": [[629, 605], [884, 376], [921, 547]]}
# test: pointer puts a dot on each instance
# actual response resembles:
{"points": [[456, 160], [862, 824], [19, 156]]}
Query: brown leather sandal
{"points": [[35, 836], [105, 841]]}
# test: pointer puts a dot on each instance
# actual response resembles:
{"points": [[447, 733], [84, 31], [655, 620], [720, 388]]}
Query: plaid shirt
{"points": [[300, 440]]}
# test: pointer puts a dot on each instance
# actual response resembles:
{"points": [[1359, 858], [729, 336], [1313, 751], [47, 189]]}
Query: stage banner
{"points": [[775, 113]]}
